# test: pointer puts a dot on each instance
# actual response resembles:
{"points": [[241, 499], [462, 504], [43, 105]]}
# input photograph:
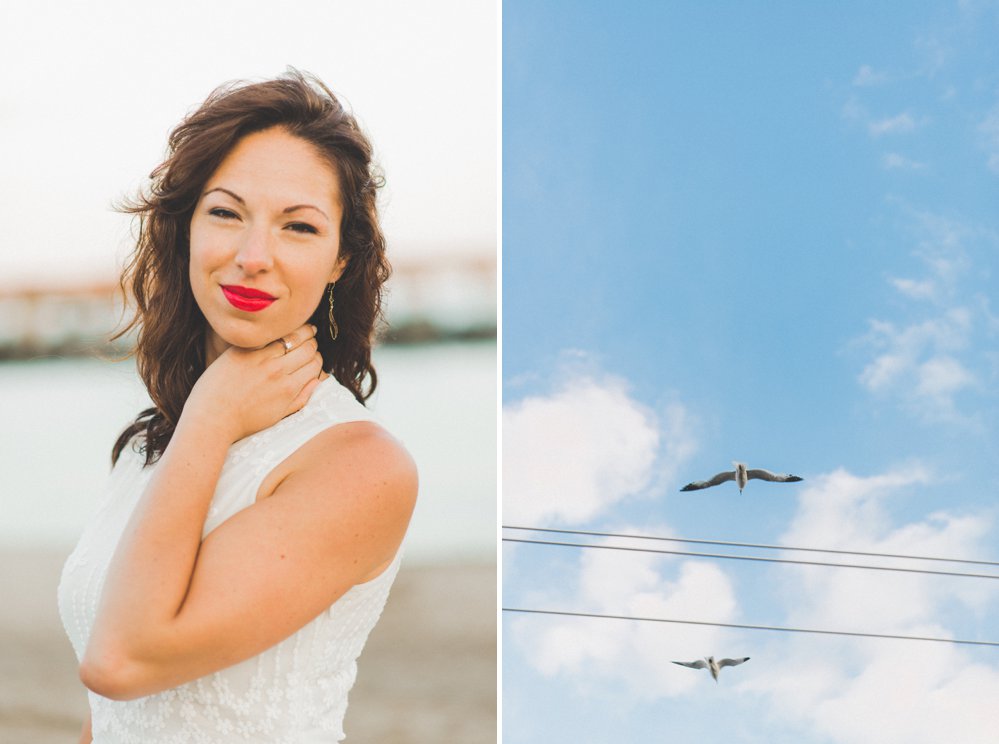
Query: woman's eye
{"points": [[302, 228], [225, 214]]}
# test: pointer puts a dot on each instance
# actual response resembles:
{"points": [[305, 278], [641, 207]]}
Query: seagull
{"points": [[741, 476], [711, 665]]}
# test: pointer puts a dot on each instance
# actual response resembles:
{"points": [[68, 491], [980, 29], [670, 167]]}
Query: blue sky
{"points": [[766, 232]]}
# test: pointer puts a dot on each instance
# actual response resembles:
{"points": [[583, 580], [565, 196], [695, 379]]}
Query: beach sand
{"points": [[427, 675]]}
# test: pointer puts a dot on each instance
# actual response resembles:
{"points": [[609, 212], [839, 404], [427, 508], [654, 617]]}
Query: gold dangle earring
{"points": [[334, 330]]}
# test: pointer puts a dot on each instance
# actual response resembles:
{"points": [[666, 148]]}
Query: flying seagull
{"points": [[711, 665], [741, 476]]}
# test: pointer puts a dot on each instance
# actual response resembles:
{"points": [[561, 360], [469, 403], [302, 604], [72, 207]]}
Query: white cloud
{"points": [[903, 697], [892, 125], [847, 509], [935, 52], [856, 690], [917, 290], [940, 241], [925, 364], [853, 110], [844, 511], [894, 161], [918, 363], [628, 658], [570, 456], [941, 377], [866, 76], [989, 131]]}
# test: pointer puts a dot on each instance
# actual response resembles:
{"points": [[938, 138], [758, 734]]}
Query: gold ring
{"points": [[287, 344]]}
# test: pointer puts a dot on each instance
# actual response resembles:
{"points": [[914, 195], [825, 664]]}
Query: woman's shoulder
{"points": [[348, 444], [362, 444], [355, 478], [353, 428]]}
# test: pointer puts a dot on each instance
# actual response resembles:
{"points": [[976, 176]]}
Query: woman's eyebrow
{"points": [[233, 194], [286, 210]]}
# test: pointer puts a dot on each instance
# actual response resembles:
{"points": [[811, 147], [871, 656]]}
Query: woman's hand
{"points": [[247, 390]]}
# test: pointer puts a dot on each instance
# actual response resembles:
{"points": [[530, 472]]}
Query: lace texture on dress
{"points": [[294, 692]]}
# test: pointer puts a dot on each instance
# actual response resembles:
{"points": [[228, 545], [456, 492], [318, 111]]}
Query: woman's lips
{"points": [[247, 299]]}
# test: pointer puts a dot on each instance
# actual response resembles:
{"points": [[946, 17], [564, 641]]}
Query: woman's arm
{"points": [[174, 609], [86, 737]]}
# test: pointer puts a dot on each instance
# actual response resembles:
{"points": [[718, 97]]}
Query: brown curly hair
{"points": [[170, 346]]}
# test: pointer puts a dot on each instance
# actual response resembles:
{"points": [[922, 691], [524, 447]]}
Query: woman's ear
{"points": [[338, 269]]}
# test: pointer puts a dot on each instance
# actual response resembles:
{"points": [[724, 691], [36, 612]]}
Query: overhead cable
{"points": [[754, 558], [739, 626], [752, 545]]}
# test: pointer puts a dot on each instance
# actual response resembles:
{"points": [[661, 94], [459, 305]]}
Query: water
{"points": [[59, 418]]}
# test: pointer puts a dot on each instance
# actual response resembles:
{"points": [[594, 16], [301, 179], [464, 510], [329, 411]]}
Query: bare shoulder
{"points": [[345, 497], [358, 460], [357, 444]]}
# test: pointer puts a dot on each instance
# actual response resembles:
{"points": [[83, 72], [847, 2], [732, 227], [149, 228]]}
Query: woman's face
{"points": [[265, 239]]}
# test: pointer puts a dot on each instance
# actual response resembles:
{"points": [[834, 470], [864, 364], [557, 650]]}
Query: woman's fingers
{"points": [[302, 364], [303, 396], [310, 369], [301, 356], [288, 343], [303, 381], [303, 350]]}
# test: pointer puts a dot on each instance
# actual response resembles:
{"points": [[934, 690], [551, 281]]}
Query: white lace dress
{"points": [[292, 693]]}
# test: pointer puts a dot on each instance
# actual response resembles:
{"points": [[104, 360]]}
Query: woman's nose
{"points": [[255, 253]]}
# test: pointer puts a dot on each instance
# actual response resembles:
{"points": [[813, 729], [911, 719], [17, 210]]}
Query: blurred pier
{"points": [[434, 299]]}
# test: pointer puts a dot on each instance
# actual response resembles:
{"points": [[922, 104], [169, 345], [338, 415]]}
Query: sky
{"points": [[91, 90], [765, 232]]}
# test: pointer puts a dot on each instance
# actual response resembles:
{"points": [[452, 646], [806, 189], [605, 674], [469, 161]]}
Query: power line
{"points": [[759, 559], [751, 627], [752, 545]]}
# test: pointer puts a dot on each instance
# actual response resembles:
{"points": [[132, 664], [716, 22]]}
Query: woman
{"points": [[253, 518]]}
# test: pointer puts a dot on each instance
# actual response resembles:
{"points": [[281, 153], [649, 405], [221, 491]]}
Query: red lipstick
{"points": [[247, 299]]}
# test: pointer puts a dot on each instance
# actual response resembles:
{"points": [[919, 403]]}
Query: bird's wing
{"points": [[775, 477], [699, 664], [732, 662], [720, 478]]}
